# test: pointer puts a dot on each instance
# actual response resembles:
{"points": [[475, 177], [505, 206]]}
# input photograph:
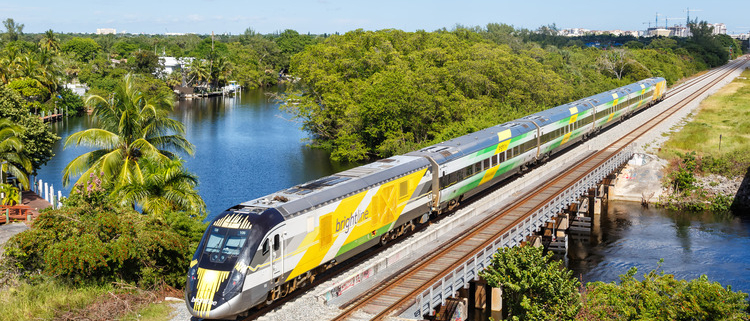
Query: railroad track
{"points": [[398, 292]]}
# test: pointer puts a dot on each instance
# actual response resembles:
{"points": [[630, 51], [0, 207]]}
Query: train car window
{"points": [[469, 171], [487, 163], [276, 242], [478, 167], [501, 158], [265, 247], [494, 160]]}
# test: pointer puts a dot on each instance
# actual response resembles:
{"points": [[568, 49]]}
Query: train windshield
{"points": [[225, 245]]}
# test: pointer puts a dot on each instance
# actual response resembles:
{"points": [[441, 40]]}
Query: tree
{"points": [[166, 186], [614, 61], [12, 30], [37, 138], [144, 62], [84, 49], [535, 286], [134, 127], [12, 154], [49, 41]]}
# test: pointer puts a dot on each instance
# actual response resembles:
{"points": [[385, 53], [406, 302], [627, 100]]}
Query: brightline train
{"points": [[261, 250]]}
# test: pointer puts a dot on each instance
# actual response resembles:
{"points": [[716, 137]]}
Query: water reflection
{"points": [[691, 244], [244, 148]]}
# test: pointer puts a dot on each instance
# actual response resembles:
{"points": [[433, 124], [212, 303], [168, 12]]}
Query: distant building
{"points": [[106, 31], [658, 32], [719, 28], [172, 64]]}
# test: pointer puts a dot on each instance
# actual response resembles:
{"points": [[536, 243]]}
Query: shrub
{"points": [[535, 287], [660, 297], [91, 240]]}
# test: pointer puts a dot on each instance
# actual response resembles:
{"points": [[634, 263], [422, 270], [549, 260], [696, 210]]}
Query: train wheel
{"points": [[384, 239], [452, 204]]}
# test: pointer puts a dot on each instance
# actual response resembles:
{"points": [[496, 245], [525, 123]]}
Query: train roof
{"points": [[323, 190]]}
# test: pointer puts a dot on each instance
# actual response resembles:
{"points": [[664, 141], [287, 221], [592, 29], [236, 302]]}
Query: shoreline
{"points": [[641, 180]]}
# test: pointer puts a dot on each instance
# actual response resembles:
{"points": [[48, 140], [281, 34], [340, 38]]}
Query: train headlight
{"points": [[192, 279], [234, 286]]}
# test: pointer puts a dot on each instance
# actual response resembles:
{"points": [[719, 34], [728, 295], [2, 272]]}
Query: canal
{"points": [[691, 244], [246, 148]]}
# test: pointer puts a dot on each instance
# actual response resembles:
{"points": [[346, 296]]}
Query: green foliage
{"points": [[92, 240], [535, 287], [660, 297], [134, 126], [12, 30], [84, 49], [30, 89], [11, 195], [36, 136], [68, 100], [371, 94], [683, 179], [47, 298], [144, 62]]}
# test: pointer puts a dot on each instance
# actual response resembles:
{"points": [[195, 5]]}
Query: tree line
{"points": [[373, 94]]}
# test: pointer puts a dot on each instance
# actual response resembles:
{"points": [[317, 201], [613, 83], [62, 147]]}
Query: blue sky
{"points": [[330, 16]]}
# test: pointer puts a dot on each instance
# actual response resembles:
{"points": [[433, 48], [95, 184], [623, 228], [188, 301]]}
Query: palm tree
{"points": [[166, 186], [12, 156], [198, 71], [49, 41], [133, 126], [10, 195]]}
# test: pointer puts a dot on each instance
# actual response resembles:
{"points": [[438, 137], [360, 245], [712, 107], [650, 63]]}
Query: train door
{"points": [[276, 249]]}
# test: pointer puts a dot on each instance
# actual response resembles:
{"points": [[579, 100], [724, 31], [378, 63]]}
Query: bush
{"points": [[535, 287], [91, 240], [660, 297]]}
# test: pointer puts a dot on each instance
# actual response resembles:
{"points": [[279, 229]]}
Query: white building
{"points": [[172, 64], [719, 28], [106, 31]]}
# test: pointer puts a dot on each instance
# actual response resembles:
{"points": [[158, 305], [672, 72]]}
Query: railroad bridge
{"points": [[420, 275]]}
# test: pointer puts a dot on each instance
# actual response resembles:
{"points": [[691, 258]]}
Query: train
{"points": [[261, 250]]}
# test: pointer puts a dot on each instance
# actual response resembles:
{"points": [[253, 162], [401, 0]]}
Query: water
{"points": [[244, 148], [691, 244]]}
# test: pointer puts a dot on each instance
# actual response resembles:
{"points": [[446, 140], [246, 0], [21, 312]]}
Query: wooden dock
{"points": [[52, 118], [27, 211]]}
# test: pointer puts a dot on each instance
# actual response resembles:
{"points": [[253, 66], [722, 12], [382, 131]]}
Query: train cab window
{"points": [[276, 242], [266, 248]]}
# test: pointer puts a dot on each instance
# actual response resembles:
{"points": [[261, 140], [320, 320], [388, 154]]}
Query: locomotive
{"points": [[261, 250]]}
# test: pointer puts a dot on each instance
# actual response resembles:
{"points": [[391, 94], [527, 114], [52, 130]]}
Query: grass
{"points": [[152, 312], [720, 129], [49, 299], [45, 300]]}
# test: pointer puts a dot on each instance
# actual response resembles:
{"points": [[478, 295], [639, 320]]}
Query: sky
{"points": [[331, 16]]}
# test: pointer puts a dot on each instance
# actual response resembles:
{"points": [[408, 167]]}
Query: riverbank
{"points": [[682, 165]]}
